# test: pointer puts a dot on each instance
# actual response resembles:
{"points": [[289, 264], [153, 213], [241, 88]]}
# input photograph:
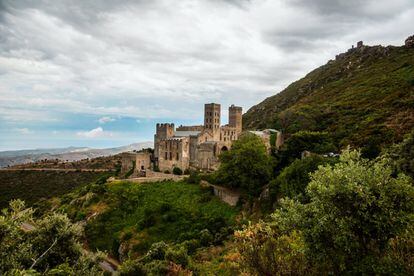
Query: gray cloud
{"points": [[163, 59]]}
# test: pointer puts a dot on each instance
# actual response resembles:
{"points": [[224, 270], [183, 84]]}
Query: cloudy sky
{"points": [[101, 73]]}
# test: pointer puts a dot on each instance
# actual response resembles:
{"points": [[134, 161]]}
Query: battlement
{"points": [[235, 108], [165, 125], [165, 130]]}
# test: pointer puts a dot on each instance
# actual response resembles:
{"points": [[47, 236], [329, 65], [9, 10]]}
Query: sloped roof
{"points": [[185, 133]]}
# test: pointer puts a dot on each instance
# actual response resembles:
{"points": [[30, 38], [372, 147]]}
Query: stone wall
{"points": [[143, 161], [231, 197], [128, 159], [174, 152]]}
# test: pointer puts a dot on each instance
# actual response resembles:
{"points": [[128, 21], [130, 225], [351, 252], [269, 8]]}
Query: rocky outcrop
{"points": [[409, 42]]}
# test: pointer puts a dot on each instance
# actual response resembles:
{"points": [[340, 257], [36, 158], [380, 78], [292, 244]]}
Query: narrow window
{"points": [[177, 157]]}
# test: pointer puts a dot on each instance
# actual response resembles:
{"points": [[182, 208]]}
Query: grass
{"points": [[32, 186], [142, 214]]}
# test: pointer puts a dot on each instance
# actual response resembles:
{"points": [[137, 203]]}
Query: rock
{"points": [[409, 42]]}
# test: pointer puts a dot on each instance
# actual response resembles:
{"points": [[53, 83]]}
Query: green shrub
{"points": [[156, 267], [177, 254], [294, 179], [157, 251], [206, 238], [132, 268], [167, 172], [177, 171], [194, 177], [80, 216]]}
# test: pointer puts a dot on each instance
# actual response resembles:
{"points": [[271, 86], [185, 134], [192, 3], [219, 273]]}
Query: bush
{"points": [[206, 238], [157, 251], [132, 268], [178, 255], [157, 267], [177, 171], [194, 177], [167, 172]]}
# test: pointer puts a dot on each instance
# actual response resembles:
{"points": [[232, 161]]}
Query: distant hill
{"points": [[11, 158], [363, 97]]}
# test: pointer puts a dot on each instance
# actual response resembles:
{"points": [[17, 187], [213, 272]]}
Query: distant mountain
{"points": [[363, 98], [10, 158]]}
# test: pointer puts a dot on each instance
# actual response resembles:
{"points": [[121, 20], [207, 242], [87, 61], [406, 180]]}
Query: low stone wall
{"points": [[226, 195], [152, 177]]}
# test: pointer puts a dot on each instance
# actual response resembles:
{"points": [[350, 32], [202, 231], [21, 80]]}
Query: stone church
{"points": [[193, 146], [197, 146]]}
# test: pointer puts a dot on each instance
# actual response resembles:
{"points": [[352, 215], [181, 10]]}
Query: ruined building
{"points": [[196, 146]]}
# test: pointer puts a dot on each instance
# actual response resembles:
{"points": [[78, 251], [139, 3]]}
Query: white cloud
{"points": [[95, 133], [106, 119], [23, 130]]}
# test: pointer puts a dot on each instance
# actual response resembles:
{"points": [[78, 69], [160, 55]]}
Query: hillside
{"points": [[111, 162], [365, 96], [11, 158], [32, 186]]}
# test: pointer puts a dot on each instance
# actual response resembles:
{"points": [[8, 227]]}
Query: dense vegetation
{"points": [[359, 220], [50, 245], [364, 98], [32, 186], [131, 217]]}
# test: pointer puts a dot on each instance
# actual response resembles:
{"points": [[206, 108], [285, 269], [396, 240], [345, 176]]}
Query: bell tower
{"points": [[212, 116], [235, 117]]}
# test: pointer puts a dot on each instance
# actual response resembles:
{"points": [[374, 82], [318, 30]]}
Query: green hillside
{"points": [[363, 97], [32, 186], [134, 216]]}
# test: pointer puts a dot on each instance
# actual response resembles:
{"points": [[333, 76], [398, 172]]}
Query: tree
{"points": [[246, 165], [359, 220], [293, 180], [42, 245]]}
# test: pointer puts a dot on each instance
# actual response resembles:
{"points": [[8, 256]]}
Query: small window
{"points": [[166, 155], [177, 157], [170, 155]]}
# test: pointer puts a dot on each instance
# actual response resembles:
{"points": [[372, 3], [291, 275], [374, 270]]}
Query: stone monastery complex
{"points": [[192, 146]]}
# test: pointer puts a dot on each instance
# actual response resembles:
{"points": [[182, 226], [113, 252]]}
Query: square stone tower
{"points": [[212, 116], [235, 117], [163, 131]]}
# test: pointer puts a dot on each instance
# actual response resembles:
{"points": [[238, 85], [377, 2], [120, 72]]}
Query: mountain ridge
{"points": [[365, 96], [69, 153]]}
